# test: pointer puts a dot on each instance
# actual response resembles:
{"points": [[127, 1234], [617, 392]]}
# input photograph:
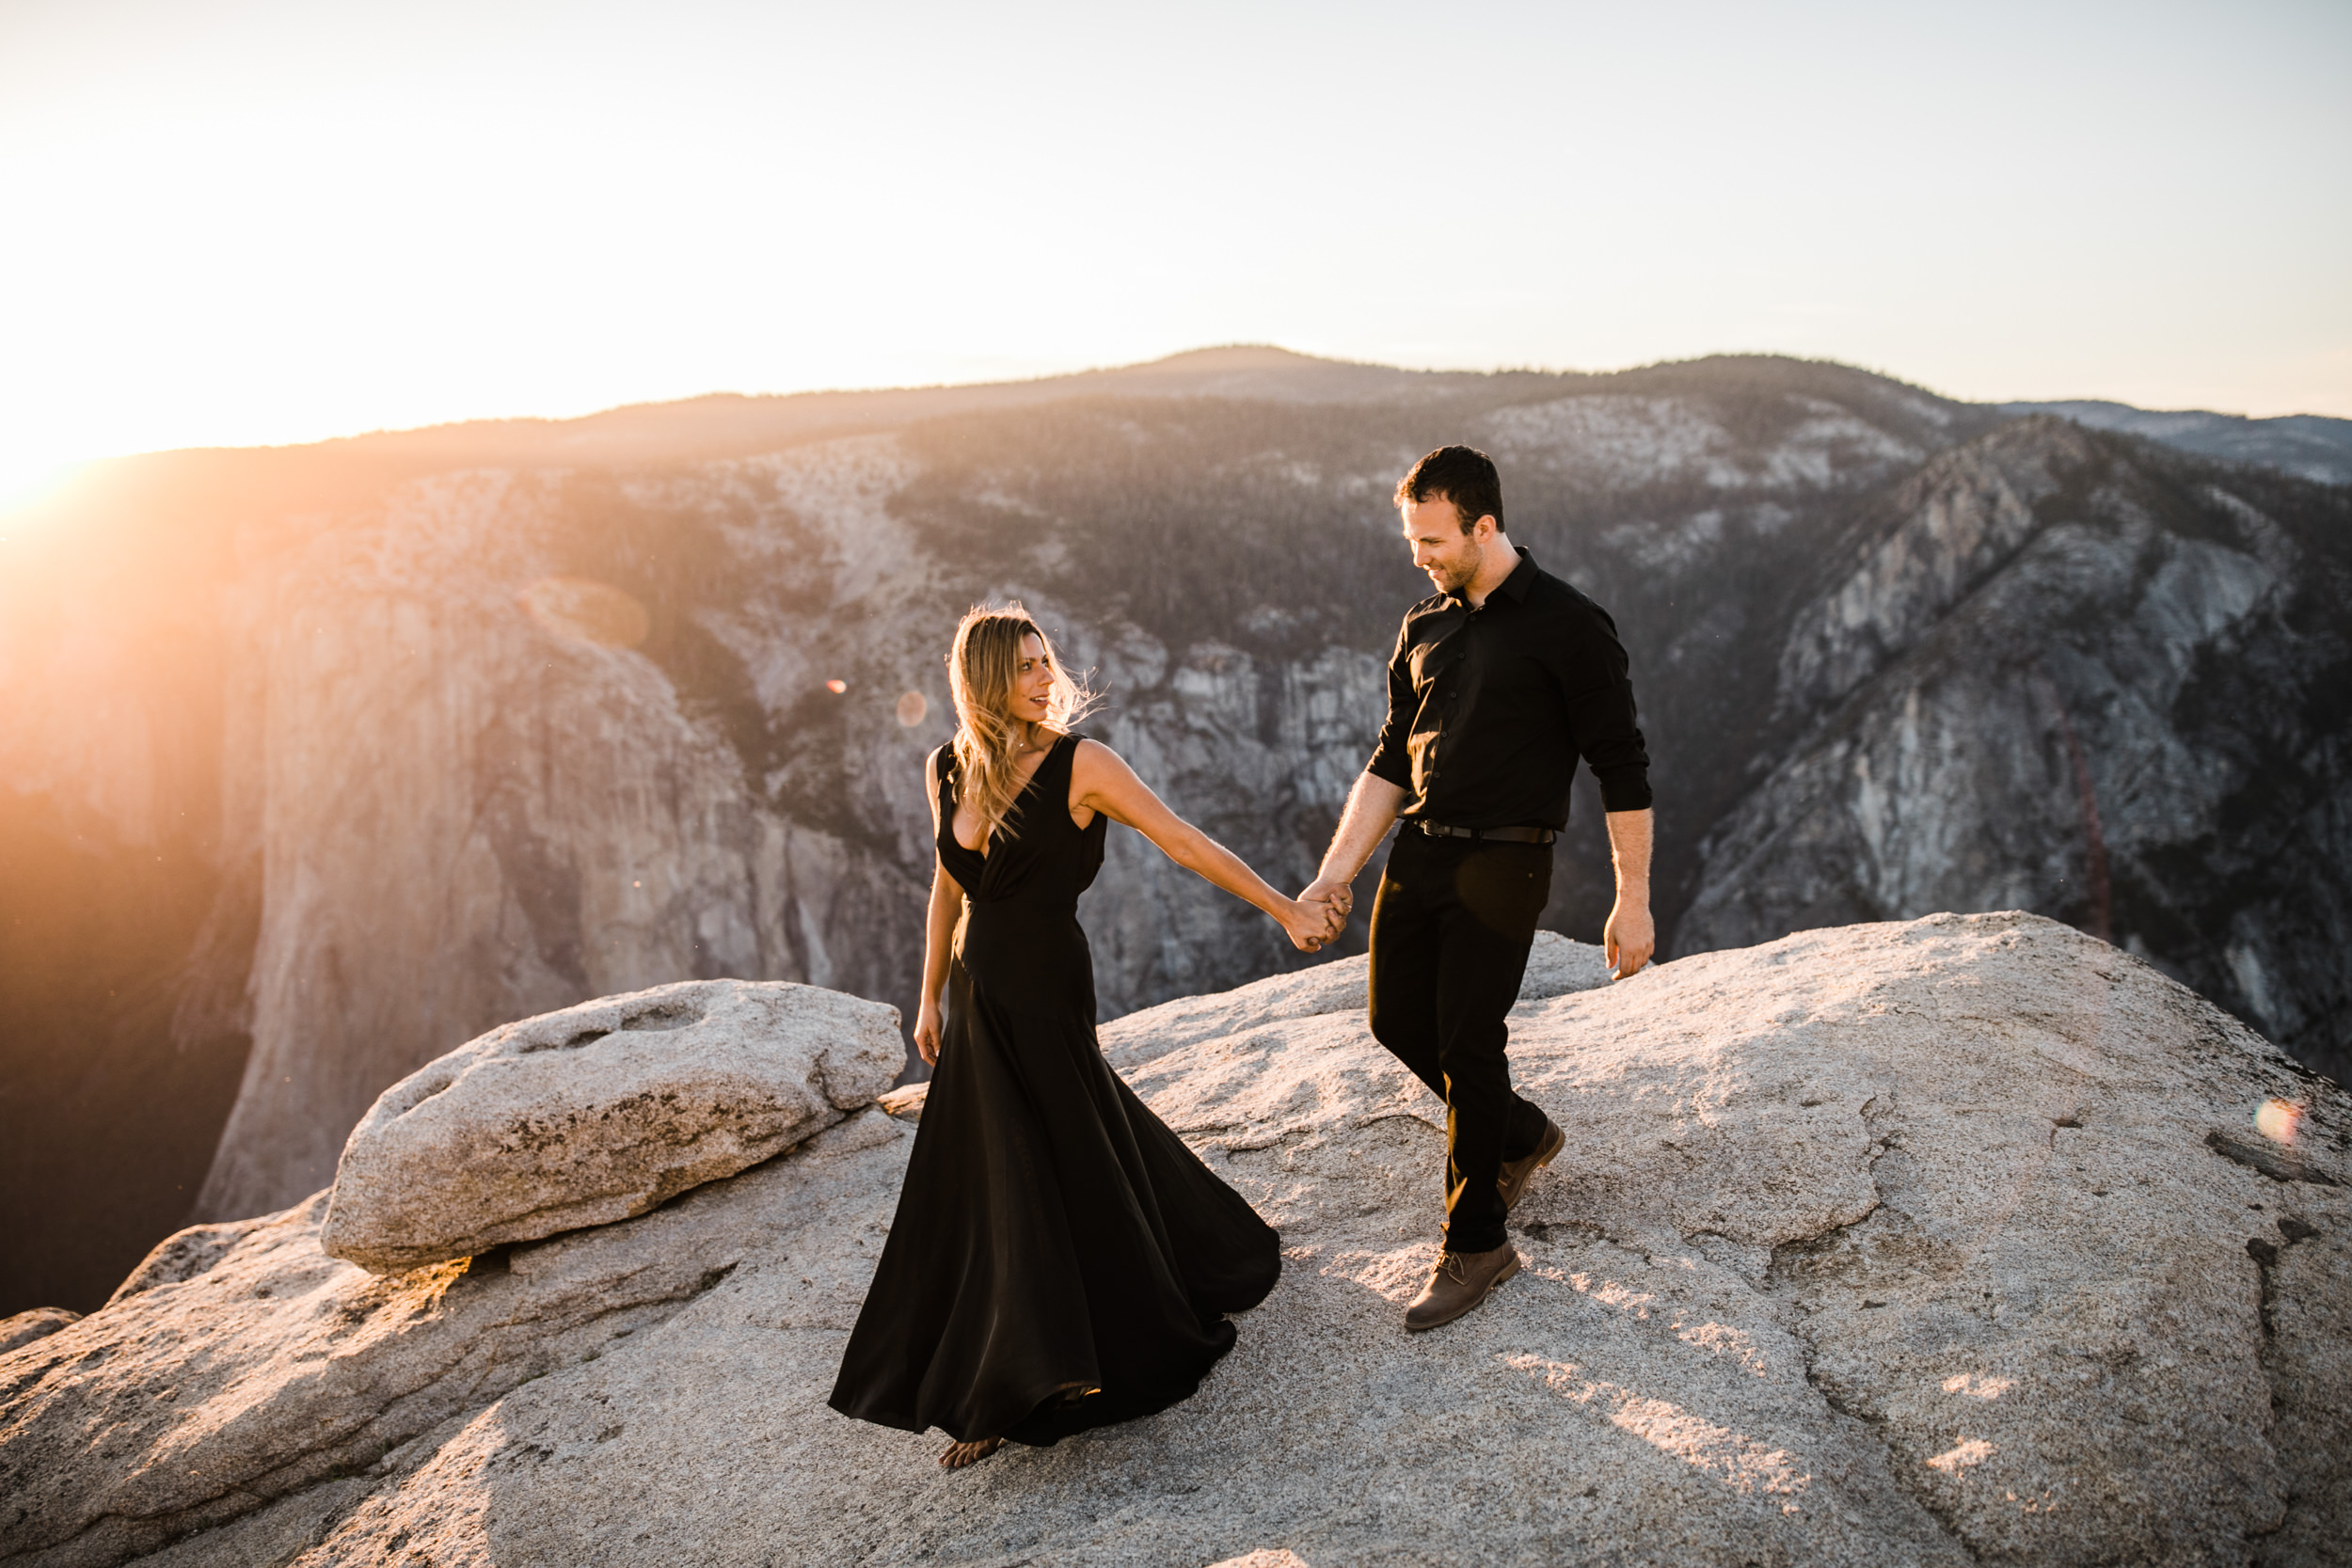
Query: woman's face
{"points": [[1032, 681]]}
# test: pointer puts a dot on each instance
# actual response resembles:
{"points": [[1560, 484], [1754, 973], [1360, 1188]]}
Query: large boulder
{"points": [[24, 1327], [1969, 1239], [599, 1112]]}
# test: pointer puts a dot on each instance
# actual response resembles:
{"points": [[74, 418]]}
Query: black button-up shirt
{"points": [[1490, 708]]}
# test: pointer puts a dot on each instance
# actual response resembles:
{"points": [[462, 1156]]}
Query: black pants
{"points": [[1451, 928]]}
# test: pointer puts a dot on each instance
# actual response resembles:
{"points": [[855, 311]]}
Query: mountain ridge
{"points": [[2310, 446], [2314, 446]]}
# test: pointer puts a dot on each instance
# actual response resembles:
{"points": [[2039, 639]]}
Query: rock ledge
{"points": [[1962, 1239]]}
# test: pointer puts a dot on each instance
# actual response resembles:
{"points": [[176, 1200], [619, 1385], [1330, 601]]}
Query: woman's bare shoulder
{"points": [[1094, 766]]}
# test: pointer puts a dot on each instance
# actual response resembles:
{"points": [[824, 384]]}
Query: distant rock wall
{"points": [[2053, 678], [471, 813]]}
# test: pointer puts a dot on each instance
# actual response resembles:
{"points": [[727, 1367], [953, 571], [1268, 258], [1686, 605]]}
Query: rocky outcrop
{"points": [[599, 1113], [266, 1368], [1970, 1238]]}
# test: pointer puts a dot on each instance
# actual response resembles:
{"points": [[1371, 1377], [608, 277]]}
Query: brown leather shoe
{"points": [[1517, 1174], [1460, 1281]]}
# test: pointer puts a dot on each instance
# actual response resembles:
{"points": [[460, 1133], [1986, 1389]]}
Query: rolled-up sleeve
{"points": [[1598, 692], [1392, 759]]}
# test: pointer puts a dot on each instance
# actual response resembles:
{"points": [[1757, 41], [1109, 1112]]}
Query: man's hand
{"points": [[1337, 896], [1372, 805], [1629, 938], [1309, 923]]}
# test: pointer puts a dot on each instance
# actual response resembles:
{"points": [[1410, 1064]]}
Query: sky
{"points": [[229, 222]]}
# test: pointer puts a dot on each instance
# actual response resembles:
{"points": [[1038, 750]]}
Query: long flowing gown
{"points": [[1059, 1259]]}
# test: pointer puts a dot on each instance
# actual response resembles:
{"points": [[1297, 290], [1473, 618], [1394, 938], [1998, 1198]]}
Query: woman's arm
{"points": [[1100, 780], [939, 931]]}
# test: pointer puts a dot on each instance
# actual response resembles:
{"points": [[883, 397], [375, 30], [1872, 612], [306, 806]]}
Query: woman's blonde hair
{"points": [[982, 668]]}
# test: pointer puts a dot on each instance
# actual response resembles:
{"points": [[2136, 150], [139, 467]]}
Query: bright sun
{"points": [[25, 480]]}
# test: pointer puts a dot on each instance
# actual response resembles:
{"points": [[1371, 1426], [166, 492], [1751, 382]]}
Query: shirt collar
{"points": [[1522, 576]]}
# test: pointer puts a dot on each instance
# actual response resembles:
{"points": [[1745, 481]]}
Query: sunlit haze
{"points": [[260, 223]]}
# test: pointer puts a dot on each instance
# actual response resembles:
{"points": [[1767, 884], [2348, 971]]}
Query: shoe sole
{"points": [[1480, 1300], [1555, 1144]]}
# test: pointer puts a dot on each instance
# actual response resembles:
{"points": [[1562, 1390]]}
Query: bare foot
{"points": [[960, 1454]]}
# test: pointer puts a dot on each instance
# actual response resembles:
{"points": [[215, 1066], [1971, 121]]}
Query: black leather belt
{"points": [[1506, 835]]}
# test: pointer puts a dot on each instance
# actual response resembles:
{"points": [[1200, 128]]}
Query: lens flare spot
{"points": [[912, 706], [1978, 1387], [582, 610], [836, 687], [2279, 1120]]}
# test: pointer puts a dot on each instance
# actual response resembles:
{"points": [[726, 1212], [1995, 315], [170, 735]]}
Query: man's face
{"points": [[1440, 548]]}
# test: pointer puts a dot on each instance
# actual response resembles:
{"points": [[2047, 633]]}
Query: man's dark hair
{"points": [[1463, 475]]}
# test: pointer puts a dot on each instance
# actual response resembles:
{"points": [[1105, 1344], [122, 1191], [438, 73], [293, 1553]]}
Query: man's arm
{"points": [[1379, 792], [1629, 937], [1371, 807], [1599, 697]]}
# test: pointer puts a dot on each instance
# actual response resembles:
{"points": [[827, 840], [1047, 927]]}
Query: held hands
{"points": [[1319, 915], [1629, 938], [926, 1032]]}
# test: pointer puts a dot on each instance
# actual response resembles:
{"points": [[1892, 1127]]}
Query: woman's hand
{"points": [[926, 1032]]}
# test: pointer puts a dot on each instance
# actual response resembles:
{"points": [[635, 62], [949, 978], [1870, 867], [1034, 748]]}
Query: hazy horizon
{"points": [[1020, 374], [264, 224]]}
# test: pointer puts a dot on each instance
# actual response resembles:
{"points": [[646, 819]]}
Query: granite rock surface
{"points": [[597, 1113], [1966, 1239], [23, 1328]]}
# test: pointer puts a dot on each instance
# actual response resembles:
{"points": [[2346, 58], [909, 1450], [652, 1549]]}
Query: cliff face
{"points": [[470, 810], [2056, 671], [337, 758]]}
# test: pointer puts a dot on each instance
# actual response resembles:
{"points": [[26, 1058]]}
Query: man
{"points": [[1500, 681]]}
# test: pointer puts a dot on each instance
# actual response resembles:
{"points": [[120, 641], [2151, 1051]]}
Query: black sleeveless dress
{"points": [[1059, 1259]]}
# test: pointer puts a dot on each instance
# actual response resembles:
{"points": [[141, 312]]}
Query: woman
{"points": [[1059, 1259]]}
